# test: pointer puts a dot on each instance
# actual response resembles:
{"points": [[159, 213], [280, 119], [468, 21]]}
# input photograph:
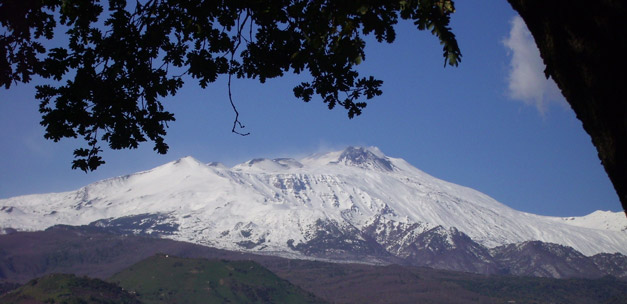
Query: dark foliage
{"points": [[67, 288], [8, 286], [543, 290], [121, 59]]}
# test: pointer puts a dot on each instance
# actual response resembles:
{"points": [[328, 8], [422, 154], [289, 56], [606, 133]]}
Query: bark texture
{"points": [[584, 45]]}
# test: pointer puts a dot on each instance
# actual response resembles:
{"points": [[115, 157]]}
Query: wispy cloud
{"points": [[526, 81]]}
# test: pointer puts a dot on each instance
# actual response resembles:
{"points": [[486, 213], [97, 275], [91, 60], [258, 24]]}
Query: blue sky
{"points": [[492, 123]]}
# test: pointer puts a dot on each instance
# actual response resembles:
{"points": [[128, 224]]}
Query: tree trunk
{"points": [[584, 45]]}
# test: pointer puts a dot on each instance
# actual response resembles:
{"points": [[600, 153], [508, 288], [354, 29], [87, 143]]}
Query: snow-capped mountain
{"points": [[355, 204]]}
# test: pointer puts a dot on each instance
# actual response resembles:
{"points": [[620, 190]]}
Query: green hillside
{"points": [[67, 288], [168, 279]]}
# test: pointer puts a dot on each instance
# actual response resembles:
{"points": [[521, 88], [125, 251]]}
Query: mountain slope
{"points": [[540, 259], [341, 205], [605, 220]]}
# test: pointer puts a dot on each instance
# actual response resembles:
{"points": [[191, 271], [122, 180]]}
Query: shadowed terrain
{"points": [[95, 253]]}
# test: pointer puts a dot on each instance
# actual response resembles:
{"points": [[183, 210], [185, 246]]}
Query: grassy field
{"points": [[168, 279]]}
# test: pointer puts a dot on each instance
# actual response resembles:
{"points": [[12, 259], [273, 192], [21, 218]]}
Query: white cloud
{"points": [[526, 80]]}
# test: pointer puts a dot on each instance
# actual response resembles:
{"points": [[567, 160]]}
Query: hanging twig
{"points": [[236, 123]]}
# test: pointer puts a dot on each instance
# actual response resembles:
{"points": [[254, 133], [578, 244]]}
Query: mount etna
{"points": [[354, 205]]}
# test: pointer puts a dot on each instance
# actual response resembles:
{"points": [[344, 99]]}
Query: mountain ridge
{"points": [[290, 207]]}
